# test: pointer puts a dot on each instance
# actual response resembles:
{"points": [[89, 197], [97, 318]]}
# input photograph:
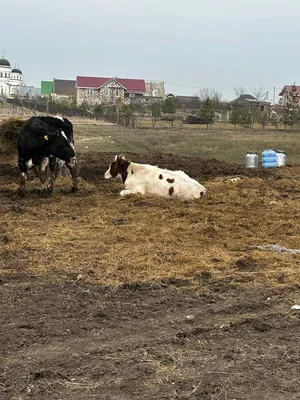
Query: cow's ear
{"points": [[124, 163], [121, 160]]}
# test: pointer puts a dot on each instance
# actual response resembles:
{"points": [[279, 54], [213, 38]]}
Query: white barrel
{"points": [[280, 158], [251, 160]]}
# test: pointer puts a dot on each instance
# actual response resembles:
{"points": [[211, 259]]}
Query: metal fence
{"points": [[110, 114]]}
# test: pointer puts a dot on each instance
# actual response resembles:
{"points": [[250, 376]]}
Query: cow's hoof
{"points": [[74, 189], [45, 193], [21, 193]]}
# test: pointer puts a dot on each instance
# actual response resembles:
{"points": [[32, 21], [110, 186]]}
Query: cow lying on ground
{"points": [[149, 179], [40, 141]]}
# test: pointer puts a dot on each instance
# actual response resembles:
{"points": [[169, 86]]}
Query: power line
{"points": [[174, 84], [185, 86], [201, 87]]}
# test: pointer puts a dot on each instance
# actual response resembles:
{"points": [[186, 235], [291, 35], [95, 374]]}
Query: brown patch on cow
{"points": [[132, 172], [170, 180], [114, 168], [171, 190], [160, 176]]}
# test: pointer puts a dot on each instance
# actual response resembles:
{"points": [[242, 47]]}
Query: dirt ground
{"points": [[140, 298]]}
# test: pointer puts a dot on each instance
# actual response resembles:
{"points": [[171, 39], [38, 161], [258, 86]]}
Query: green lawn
{"points": [[229, 145]]}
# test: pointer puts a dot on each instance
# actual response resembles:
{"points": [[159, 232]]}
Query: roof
{"points": [[30, 91], [16, 70], [277, 109], [64, 87], [287, 88], [130, 85], [188, 101], [4, 62], [245, 97]]}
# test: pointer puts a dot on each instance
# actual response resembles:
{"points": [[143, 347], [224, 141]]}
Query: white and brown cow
{"points": [[149, 179]]}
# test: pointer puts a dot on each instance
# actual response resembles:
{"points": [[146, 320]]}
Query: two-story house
{"points": [[286, 94], [99, 90]]}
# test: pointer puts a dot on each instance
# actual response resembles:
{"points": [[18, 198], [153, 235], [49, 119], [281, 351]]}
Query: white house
{"points": [[11, 79]]}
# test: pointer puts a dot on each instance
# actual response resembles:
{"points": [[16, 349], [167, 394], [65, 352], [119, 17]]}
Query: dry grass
{"points": [[101, 238], [9, 132]]}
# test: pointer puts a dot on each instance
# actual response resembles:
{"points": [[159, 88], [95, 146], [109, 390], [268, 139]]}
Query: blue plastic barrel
{"points": [[268, 158]]}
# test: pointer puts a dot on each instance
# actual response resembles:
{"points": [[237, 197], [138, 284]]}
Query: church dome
{"points": [[16, 71], [4, 62]]}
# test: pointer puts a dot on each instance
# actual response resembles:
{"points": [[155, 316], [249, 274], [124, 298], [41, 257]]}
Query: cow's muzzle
{"points": [[74, 167], [74, 164]]}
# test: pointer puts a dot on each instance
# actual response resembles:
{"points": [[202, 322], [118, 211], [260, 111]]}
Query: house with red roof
{"points": [[97, 90], [287, 92]]}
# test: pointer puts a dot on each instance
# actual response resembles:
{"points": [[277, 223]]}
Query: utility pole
{"points": [[274, 95]]}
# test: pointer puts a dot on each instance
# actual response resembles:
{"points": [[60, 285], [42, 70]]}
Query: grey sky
{"points": [[188, 44]]}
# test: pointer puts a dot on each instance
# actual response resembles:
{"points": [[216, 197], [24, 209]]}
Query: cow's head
{"points": [[118, 168], [60, 146]]}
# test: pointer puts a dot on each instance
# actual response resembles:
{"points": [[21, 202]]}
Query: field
{"points": [[230, 145], [104, 297]]}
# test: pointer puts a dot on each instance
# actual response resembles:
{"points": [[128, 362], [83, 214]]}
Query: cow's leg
{"points": [[23, 176], [53, 168], [127, 192], [73, 167], [43, 175]]}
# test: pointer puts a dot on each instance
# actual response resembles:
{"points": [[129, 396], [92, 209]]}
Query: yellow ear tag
{"points": [[46, 137]]}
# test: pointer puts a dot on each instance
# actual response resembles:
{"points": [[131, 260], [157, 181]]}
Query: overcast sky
{"points": [[188, 44]]}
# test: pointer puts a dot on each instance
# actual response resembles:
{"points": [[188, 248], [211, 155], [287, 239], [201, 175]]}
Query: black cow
{"points": [[40, 141]]}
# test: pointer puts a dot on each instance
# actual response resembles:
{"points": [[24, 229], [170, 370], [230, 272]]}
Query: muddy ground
{"points": [[216, 332]]}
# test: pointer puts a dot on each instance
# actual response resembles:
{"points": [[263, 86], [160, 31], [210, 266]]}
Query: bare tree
{"points": [[211, 106], [210, 94], [259, 93], [239, 90]]}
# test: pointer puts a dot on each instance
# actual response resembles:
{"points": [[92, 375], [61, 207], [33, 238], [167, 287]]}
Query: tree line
{"points": [[211, 108]]}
